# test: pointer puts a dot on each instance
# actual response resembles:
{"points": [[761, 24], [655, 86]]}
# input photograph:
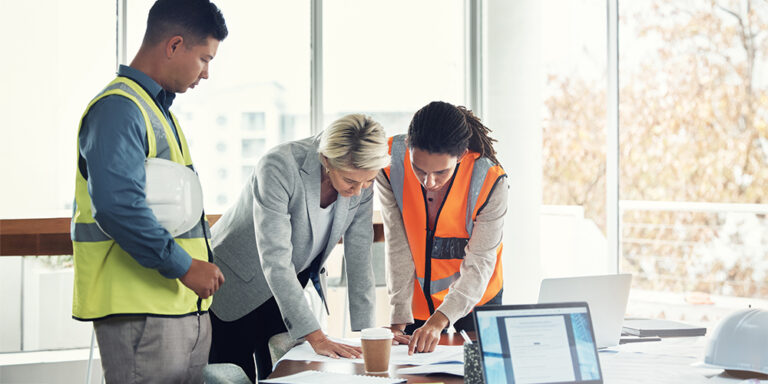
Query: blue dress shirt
{"points": [[113, 143]]}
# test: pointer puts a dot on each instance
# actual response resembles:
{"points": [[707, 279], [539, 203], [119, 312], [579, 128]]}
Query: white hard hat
{"points": [[740, 343], [174, 195]]}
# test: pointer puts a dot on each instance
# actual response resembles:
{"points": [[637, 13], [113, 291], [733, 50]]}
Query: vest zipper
{"points": [[428, 270], [427, 288], [210, 260]]}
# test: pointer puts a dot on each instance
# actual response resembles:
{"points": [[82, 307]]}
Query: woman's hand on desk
{"points": [[326, 347], [400, 336], [425, 339]]}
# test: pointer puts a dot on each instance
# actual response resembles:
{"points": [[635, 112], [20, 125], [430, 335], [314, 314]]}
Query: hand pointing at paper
{"points": [[425, 339]]}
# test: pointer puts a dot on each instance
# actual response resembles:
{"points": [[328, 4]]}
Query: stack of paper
{"points": [[449, 368], [661, 328], [398, 356]]}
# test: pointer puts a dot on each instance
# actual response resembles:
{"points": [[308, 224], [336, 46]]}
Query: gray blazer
{"points": [[261, 242]]}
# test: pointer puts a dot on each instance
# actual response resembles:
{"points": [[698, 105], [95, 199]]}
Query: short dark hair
{"points": [[194, 20], [441, 127]]}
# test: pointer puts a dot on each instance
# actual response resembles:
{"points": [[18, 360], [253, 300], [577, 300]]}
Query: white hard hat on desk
{"points": [[740, 343]]}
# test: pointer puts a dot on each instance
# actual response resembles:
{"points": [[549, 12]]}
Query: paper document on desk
{"points": [[320, 377], [442, 354], [662, 362], [449, 368], [398, 356]]}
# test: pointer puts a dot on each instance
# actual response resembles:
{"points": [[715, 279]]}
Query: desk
{"points": [[666, 361], [289, 367]]}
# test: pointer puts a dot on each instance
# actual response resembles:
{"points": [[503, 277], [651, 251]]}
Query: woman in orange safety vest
{"points": [[444, 198]]}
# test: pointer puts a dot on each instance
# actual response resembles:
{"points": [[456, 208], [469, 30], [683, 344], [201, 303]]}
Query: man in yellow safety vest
{"points": [[146, 291]]}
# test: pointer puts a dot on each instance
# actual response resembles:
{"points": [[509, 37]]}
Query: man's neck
{"points": [[146, 63]]}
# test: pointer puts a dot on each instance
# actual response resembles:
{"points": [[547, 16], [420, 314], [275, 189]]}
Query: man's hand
{"points": [[325, 347], [203, 278], [399, 333], [425, 339]]}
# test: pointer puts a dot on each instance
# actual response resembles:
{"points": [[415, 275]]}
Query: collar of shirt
{"points": [[164, 98]]}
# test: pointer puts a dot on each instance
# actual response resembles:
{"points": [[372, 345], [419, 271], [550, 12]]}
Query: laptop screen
{"points": [[539, 343]]}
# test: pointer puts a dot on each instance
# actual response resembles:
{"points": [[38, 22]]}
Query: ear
{"points": [[173, 45], [461, 157]]}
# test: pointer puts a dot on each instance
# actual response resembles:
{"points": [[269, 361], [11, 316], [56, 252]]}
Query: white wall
{"points": [[10, 316], [48, 322], [570, 244], [512, 104]]}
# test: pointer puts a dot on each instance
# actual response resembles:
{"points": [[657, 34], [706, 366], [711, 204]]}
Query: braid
{"points": [[441, 127], [480, 141]]}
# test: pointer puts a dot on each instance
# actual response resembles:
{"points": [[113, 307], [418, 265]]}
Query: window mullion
{"points": [[316, 71], [473, 55], [612, 210]]}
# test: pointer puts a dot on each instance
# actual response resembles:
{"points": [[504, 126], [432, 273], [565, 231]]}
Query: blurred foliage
{"points": [[57, 262], [693, 120]]}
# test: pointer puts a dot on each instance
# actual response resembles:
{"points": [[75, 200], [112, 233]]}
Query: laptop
{"points": [[607, 297], [537, 343]]}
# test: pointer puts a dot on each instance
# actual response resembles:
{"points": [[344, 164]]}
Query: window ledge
{"points": [[46, 357]]}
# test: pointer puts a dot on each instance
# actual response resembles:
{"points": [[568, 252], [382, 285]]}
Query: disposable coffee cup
{"points": [[377, 344]]}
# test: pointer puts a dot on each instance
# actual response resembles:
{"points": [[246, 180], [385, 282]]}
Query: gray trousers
{"points": [[147, 349]]}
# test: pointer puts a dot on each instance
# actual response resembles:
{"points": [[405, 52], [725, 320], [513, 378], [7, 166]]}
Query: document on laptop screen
{"points": [[552, 345], [539, 347]]}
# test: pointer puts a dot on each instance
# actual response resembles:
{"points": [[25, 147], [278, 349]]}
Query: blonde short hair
{"points": [[355, 141]]}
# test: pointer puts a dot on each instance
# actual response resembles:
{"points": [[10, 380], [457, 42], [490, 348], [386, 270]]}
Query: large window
{"points": [[390, 58], [573, 70], [692, 151], [694, 156], [257, 95], [55, 64], [383, 59]]}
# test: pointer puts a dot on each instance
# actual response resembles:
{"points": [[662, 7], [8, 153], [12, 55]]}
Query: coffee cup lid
{"points": [[376, 333]]}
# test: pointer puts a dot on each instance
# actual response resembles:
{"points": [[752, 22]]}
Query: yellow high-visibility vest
{"points": [[108, 281]]}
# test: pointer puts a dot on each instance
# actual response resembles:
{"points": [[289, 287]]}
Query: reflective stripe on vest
{"points": [[436, 286], [108, 281], [162, 149], [91, 232], [396, 167], [470, 188], [482, 165]]}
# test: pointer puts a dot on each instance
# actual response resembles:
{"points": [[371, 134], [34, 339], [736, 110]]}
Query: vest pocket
{"points": [[448, 247]]}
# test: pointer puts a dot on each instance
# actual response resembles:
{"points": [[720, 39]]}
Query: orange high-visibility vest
{"points": [[438, 254]]}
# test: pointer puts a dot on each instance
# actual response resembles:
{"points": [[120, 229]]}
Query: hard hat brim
{"points": [[702, 364]]}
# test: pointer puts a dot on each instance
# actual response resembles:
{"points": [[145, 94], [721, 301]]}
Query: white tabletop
{"points": [[668, 361]]}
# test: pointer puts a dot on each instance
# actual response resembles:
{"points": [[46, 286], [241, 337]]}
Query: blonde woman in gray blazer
{"points": [[303, 197]]}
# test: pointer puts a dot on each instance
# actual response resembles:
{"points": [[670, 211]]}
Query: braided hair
{"points": [[441, 127]]}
